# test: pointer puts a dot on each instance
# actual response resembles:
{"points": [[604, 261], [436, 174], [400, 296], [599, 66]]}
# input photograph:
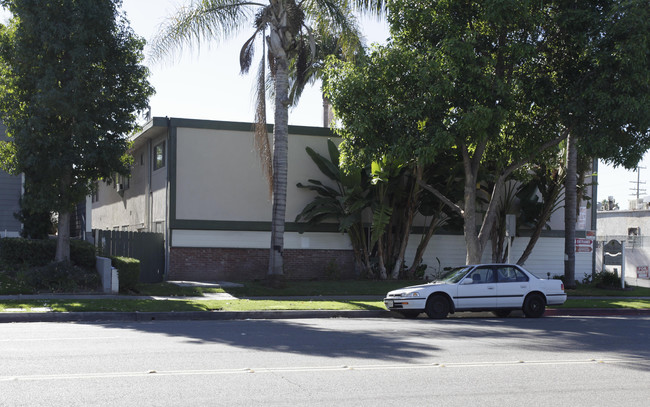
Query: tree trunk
{"points": [[383, 275], [414, 191], [570, 191], [280, 165], [63, 233], [436, 222], [547, 211], [63, 238]]}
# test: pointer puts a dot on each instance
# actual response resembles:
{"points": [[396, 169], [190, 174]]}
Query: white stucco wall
{"points": [[219, 176], [128, 209]]}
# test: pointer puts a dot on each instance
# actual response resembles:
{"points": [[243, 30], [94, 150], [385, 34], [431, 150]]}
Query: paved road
{"points": [[579, 361]]}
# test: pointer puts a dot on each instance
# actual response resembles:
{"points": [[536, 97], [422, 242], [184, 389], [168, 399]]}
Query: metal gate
{"points": [[147, 247]]}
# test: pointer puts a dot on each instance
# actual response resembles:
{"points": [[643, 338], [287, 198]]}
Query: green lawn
{"points": [[321, 287], [608, 303], [291, 288], [111, 305], [588, 290]]}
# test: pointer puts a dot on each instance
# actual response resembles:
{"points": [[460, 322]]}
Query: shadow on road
{"points": [[417, 340]]}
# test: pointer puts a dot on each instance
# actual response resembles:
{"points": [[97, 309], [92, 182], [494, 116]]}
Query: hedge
{"points": [[28, 252], [128, 271]]}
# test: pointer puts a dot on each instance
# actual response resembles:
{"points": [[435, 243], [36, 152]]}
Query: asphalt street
{"points": [[578, 361]]}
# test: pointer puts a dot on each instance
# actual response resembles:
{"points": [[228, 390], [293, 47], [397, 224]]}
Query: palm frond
{"points": [[262, 143], [201, 21], [371, 7], [246, 54]]}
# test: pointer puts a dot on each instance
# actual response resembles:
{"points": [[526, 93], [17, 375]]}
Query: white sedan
{"points": [[500, 288]]}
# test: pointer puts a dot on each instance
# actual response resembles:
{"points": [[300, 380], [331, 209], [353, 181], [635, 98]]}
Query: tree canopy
{"points": [[497, 82], [72, 87], [459, 76]]}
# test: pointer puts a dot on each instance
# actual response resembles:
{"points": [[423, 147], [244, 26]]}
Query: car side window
{"points": [[511, 275], [482, 275]]}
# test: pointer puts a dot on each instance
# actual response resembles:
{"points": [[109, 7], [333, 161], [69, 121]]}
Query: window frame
{"points": [[159, 164]]}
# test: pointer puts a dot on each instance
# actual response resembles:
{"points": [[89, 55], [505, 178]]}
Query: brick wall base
{"points": [[223, 264]]}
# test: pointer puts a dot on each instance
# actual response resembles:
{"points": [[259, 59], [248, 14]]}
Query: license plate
{"points": [[389, 303]]}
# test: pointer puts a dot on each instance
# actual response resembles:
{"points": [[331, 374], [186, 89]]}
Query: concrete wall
{"points": [[617, 223]]}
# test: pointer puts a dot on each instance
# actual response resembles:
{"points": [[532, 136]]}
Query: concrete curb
{"points": [[187, 315], [10, 317]]}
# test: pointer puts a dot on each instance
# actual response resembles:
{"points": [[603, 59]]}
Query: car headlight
{"points": [[410, 294]]}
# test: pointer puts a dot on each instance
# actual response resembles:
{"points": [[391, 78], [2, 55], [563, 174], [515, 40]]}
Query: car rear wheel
{"points": [[501, 313], [534, 306], [437, 307], [409, 314]]}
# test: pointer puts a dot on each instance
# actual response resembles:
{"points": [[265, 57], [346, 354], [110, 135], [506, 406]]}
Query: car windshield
{"points": [[455, 275]]}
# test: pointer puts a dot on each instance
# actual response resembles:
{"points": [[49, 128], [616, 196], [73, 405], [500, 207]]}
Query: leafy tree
{"points": [[285, 29], [459, 76], [596, 53], [344, 202], [73, 84]]}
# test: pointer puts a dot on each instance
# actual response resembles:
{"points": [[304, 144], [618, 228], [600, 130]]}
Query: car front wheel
{"points": [[437, 307], [534, 306]]}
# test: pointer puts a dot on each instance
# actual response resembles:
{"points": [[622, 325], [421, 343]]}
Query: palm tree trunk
{"points": [[280, 166]]}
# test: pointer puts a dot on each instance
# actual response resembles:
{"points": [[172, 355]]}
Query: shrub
{"points": [[61, 277], [82, 254], [9, 284], [128, 271], [607, 279], [16, 252]]}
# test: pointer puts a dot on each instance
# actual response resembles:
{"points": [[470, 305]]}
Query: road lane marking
{"points": [[76, 338], [298, 369]]}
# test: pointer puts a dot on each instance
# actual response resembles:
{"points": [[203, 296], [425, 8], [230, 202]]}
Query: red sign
{"points": [[583, 249], [642, 271], [584, 242]]}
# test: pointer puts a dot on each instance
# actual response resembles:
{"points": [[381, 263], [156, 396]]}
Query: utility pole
{"points": [[637, 189]]}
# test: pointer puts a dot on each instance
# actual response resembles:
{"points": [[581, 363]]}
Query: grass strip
{"points": [[607, 303], [112, 305], [592, 291], [321, 287]]}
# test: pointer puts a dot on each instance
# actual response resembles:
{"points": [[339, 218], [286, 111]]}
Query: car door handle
{"points": [[490, 288], [523, 286]]}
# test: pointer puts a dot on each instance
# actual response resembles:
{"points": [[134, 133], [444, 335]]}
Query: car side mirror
{"points": [[467, 281]]}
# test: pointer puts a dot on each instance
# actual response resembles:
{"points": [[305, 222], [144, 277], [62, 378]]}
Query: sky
{"points": [[205, 83]]}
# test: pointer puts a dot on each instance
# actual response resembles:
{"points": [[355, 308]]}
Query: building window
{"points": [[159, 156], [95, 194]]}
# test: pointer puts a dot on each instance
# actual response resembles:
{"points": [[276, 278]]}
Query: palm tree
{"points": [[285, 28]]}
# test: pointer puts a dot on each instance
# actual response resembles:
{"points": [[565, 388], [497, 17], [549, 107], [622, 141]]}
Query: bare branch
{"points": [[440, 196]]}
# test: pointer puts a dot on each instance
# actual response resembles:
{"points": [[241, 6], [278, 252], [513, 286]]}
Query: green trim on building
{"points": [[171, 175], [219, 225], [246, 127], [248, 226]]}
